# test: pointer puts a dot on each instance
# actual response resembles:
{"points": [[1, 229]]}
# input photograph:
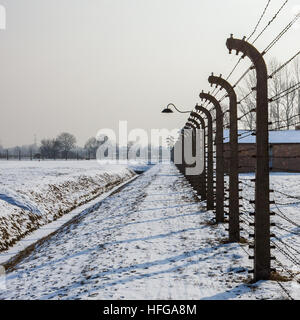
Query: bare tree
{"points": [[91, 146], [288, 103], [66, 142], [297, 77], [49, 148], [276, 85], [281, 109], [130, 144], [249, 102], [105, 147], [56, 147]]}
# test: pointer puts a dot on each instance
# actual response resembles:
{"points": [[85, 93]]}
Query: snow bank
{"points": [[33, 194]]}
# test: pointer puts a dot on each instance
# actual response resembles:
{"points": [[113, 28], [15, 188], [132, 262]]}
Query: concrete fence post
{"points": [[219, 156], [210, 168], [262, 255], [234, 226]]}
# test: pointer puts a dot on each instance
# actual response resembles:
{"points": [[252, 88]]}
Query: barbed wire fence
{"points": [[283, 230]]}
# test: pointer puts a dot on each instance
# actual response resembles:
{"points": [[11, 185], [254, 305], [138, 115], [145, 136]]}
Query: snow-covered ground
{"points": [[151, 240], [285, 191], [35, 193]]}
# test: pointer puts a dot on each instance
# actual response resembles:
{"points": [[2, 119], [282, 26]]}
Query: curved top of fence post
{"points": [[210, 98], [213, 100], [187, 129], [206, 112], [198, 116], [219, 81], [189, 125], [193, 121], [248, 50]]}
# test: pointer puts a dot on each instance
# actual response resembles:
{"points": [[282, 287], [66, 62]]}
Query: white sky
{"points": [[83, 65]]}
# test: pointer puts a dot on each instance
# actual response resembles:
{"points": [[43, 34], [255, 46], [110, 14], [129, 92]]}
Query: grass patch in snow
{"points": [[276, 276]]}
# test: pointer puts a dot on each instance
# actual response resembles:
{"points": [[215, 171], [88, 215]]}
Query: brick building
{"points": [[284, 151]]}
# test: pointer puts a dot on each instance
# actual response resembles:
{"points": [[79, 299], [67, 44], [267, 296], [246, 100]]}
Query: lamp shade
{"points": [[167, 110]]}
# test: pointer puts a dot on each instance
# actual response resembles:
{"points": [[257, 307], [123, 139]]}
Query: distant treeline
{"points": [[64, 147]]}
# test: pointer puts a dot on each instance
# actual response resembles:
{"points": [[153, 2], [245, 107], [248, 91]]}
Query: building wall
{"points": [[283, 157], [286, 157]]}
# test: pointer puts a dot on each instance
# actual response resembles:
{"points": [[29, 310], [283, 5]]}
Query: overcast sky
{"points": [[83, 65]]}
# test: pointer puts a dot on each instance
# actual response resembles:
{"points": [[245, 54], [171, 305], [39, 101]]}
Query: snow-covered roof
{"points": [[282, 136]]}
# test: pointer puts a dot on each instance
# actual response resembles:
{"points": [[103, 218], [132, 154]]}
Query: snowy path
{"points": [[151, 240]]}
